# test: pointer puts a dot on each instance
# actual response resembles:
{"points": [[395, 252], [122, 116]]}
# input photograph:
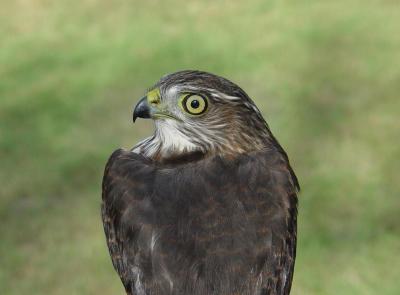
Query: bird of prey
{"points": [[208, 204]]}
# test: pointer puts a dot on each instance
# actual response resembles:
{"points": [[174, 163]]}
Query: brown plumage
{"points": [[195, 220]]}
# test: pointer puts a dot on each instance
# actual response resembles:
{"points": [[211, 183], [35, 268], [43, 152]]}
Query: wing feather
{"points": [[223, 226], [124, 183]]}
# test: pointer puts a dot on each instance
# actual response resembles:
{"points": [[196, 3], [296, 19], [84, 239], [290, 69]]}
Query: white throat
{"points": [[167, 140]]}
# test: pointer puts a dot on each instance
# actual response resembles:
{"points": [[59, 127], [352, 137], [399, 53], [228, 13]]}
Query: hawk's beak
{"points": [[142, 109]]}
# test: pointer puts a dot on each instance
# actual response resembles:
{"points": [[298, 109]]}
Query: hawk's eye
{"points": [[194, 104]]}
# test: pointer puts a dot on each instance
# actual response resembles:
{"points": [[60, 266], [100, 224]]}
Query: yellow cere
{"points": [[153, 96]]}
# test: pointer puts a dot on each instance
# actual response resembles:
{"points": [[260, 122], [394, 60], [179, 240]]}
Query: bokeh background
{"points": [[326, 75]]}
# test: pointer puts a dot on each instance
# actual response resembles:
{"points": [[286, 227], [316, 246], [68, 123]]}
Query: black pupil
{"points": [[195, 103]]}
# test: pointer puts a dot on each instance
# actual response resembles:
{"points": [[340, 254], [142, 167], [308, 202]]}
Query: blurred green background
{"points": [[325, 74]]}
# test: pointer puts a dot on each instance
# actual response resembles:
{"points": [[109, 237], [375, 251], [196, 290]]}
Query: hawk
{"points": [[206, 205]]}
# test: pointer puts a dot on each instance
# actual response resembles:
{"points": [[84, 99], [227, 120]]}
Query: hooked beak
{"points": [[142, 109]]}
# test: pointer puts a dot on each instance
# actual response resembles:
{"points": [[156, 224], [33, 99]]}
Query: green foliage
{"points": [[325, 74]]}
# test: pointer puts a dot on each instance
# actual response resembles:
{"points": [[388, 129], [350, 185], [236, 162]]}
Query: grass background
{"points": [[325, 74]]}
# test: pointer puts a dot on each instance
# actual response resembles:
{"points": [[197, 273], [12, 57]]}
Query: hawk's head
{"points": [[197, 111]]}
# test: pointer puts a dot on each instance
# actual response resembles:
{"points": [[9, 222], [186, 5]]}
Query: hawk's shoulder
{"points": [[178, 224]]}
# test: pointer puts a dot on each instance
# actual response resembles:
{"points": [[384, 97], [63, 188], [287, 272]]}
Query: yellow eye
{"points": [[194, 104]]}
